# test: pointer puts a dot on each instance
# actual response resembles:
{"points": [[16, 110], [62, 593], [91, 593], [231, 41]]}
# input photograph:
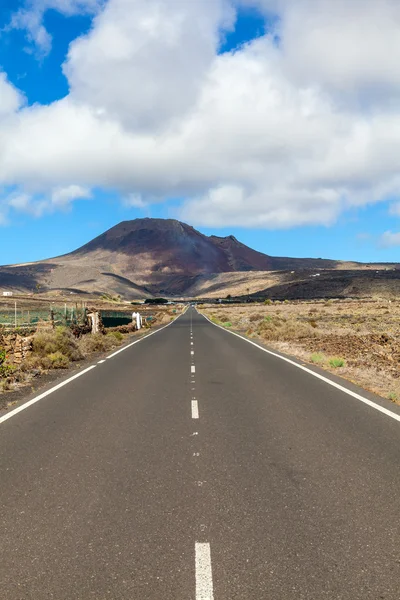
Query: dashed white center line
{"points": [[191, 343], [193, 369], [195, 409], [204, 581]]}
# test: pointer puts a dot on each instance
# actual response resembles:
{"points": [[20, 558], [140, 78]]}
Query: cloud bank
{"points": [[270, 135]]}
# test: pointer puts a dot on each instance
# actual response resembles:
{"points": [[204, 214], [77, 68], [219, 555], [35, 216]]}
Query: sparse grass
{"points": [[318, 358], [337, 362], [393, 397]]}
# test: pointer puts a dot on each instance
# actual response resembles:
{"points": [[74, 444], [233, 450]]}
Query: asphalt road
{"points": [[226, 474]]}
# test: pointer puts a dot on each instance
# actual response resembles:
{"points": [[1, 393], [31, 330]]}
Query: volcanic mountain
{"points": [[156, 256]]}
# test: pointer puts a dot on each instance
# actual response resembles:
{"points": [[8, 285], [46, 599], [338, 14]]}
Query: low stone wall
{"points": [[16, 346]]}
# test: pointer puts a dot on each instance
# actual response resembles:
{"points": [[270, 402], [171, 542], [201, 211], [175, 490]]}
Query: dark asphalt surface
{"points": [[107, 484]]}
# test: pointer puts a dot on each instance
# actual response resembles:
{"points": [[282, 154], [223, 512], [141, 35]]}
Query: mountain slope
{"points": [[157, 256]]}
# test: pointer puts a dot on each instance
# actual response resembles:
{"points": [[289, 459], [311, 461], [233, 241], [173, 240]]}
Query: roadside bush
{"points": [[36, 362], [336, 362], [228, 324], [117, 335], [268, 301], [7, 369], [393, 397], [99, 342], [58, 360], [317, 358], [60, 339]]}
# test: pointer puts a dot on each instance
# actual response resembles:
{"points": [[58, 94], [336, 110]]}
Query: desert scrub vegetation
{"points": [[56, 349], [281, 329], [59, 340], [99, 342], [336, 362], [317, 358]]}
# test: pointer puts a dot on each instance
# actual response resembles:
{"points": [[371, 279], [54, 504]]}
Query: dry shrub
{"points": [[98, 342], [34, 362], [278, 329], [58, 360], [60, 340], [255, 318]]}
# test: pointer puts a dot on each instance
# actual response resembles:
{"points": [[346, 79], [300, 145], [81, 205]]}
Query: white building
{"points": [[7, 293]]}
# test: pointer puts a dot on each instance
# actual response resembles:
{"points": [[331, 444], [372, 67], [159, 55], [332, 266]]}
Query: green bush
{"points": [[336, 362], [117, 335], [227, 324], [268, 301], [317, 358], [60, 339], [7, 369], [393, 396], [58, 360]]}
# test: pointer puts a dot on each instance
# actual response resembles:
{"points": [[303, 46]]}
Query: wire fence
{"points": [[16, 315]]}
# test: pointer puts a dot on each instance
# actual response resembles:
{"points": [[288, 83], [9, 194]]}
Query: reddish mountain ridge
{"points": [[157, 256], [167, 245]]}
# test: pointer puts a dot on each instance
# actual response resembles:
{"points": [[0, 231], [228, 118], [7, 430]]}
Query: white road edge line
{"points": [[195, 409], [63, 383], [50, 391], [204, 580], [377, 407]]}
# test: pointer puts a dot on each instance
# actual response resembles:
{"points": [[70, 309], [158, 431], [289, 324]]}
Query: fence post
{"points": [[15, 314]]}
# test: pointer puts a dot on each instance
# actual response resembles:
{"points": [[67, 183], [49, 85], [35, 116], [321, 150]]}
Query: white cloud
{"points": [[267, 136], [145, 61], [62, 197], [390, 239], [30, 18], [37, 205], [134, 201], [10, 98], [395, 209]]}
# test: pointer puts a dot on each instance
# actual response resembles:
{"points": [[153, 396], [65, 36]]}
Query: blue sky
{"points": [[353, 234]]}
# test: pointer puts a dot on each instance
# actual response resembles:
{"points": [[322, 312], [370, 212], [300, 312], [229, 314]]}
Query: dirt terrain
{"points": [[358, 340]]}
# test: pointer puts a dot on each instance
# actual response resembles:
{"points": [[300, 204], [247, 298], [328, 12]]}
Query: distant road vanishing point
{"points": [[191, 465]]}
